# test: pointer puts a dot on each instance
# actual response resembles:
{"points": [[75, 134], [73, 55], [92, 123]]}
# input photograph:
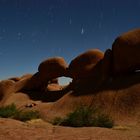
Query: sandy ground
{"points": [[40, 130]]}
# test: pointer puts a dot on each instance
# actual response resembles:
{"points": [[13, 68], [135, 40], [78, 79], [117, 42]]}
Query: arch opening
{"points": [[63, 81]]}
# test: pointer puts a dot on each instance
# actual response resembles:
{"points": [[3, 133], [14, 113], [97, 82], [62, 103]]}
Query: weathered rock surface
{"points": [[6, 88], [22, 83], [119, 98], [15, 79], [35, 82], [19, 99], [41, 130], [53, 87], [26, 76]]}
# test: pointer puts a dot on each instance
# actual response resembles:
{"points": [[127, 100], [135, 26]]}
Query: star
{"points": [[19, 35], [70, 21], [82, 31]]}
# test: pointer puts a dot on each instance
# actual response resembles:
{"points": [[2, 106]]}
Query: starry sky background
{"points": [[33, 30]]}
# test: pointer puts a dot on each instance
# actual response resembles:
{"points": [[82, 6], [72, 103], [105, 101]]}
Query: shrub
{"points": [[11, 111], [85, 116], [103, 120], [82, 116], [26, 115], [57, 121], [8, 111]]}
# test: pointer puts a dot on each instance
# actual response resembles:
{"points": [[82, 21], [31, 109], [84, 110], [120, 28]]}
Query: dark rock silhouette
{"points": [[35, 82], [53, 81], [126, 53]]}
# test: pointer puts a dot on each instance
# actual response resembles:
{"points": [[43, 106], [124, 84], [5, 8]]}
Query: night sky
{"points": [[33, 30]]}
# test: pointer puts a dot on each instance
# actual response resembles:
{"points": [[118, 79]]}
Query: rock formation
{"points": [[126, 53], [6, 89], [98, 80], [52, 68], [53, 81], [81, 66], [15, 79], [53, 87]]}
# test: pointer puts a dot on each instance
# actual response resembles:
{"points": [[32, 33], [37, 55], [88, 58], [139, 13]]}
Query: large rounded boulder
{"points": [[126, 53], [101, 74], [53, 68], [82, 65]]}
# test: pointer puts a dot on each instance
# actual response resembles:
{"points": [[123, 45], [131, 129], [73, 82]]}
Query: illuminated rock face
{"points": [[53, 68], [126, 53], [6, 86], [82, 65], [53, 87]]}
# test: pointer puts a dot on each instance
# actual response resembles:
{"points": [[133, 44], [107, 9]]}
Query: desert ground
{"points": [[40, 130]]}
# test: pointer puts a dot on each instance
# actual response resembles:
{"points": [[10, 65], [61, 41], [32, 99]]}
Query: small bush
{"points": [[26, 115], [85, 116], [8, 111], [57, 121], [82, 116], [11, 111], [103, 120]]}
